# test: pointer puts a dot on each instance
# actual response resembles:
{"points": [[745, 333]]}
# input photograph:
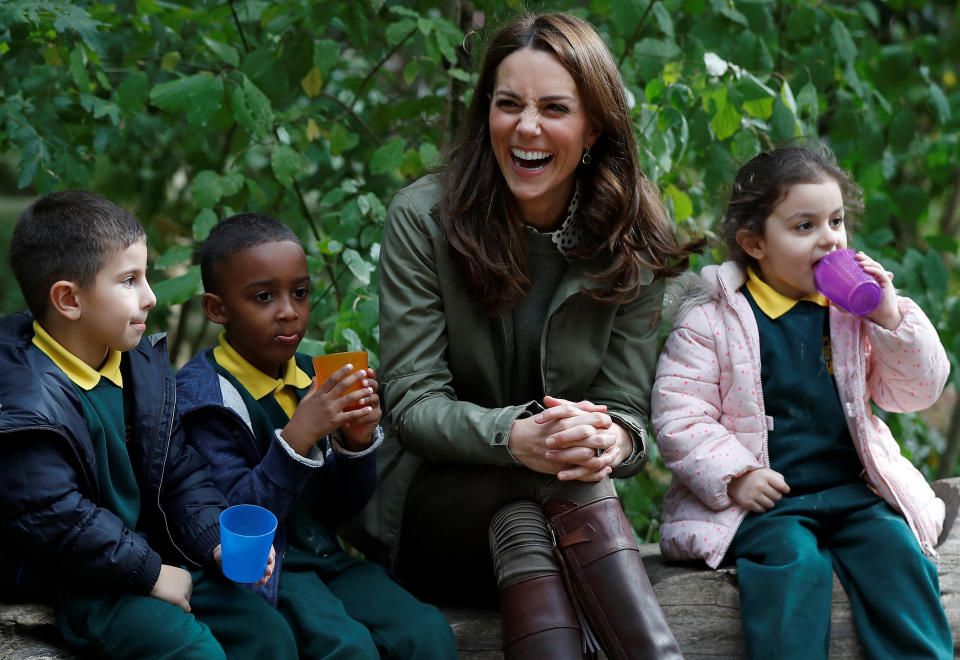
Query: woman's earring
{"points": [[586, 159]]}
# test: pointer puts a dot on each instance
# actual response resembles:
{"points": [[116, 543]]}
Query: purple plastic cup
{"points": [[840, 278], [246, 534]]}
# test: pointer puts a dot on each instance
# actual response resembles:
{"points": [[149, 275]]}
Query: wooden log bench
{"points": [[702, 607]]}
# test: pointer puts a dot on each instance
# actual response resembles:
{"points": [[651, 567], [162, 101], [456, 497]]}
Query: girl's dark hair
{"points": [[763, 182], [620, 208]]}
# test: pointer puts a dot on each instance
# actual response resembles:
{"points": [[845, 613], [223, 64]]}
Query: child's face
{"points": [[113, 310], [264, 303], [805, 226]]}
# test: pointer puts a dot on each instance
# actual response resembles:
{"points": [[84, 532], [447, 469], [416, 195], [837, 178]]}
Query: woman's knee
{"points": [[520, 543]]}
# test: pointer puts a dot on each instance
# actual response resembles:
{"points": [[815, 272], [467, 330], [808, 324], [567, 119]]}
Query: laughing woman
{"points": [[519, 315]]}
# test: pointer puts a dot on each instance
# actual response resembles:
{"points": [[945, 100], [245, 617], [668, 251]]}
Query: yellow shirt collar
{"points": [[257, 383], [773, 303], [78, 371]]}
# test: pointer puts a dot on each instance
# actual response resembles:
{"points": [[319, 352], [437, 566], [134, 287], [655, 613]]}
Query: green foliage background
{"points": [[317, 111]]}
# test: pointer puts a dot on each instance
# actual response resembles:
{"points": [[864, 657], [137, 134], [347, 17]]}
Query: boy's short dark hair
{"points": [[67, 235], [238, 232]]}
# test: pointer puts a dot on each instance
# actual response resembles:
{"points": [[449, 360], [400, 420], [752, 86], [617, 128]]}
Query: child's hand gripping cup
{"points": [[840, 278], [246, 534], [325, 365]]}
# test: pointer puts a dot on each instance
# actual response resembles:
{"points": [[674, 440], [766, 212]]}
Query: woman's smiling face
{"points": [[538, 131]]}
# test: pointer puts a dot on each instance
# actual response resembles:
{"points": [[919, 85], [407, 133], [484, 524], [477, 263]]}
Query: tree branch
{"points": [[236, 21], [357, 118], [632, 41]]}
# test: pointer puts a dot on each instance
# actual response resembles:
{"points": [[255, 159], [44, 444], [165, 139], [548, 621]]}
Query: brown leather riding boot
{"points": [[609, 583], [538, 621]]}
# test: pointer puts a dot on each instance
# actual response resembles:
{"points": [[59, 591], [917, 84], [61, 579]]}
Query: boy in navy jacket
{"points": [[101, 500], [275, 437]]}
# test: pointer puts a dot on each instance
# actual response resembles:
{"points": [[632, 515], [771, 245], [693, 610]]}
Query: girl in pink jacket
{"points": [[761, 410]]}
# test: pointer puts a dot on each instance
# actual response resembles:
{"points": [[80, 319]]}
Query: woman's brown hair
{"points": [[620, 208]]}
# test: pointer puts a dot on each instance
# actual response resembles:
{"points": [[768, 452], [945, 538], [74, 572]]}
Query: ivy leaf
{"points": [[207, 189], [200, 95], [177, 290], [285, 163], [387, 157], [252, 109]]}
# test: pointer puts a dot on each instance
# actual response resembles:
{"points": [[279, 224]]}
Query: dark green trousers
{"points": [[339, 607], [226, 621], [786, 558]]}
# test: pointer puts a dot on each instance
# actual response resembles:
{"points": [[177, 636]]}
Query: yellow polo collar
{"points": [[773, 303], [257, 383], [78, 371]]}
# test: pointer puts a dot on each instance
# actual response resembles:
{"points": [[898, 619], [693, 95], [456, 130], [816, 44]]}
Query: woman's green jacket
{"points": [[446, 363]]}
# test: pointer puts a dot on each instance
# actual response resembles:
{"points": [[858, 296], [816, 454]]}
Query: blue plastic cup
{"points": [[246, 534]]}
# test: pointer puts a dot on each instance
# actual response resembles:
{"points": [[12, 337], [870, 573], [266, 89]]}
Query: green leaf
{"points": [[943, 243], [939, 101], [78, 69], [200, 95], [177, 290], [801, 23], [783, 123], [71, 17], [326, 54], [231, 182], [360, 268], [131, 94], [682, 206], [205, 221], [207, 189], [225, 52], [843, 41], [285, 163], [397, 30], [935, 274], [252, 109], [411, 71], [387, 157], [725, 121], [341, 140], [429, 154], [173, 256], [655, 90], [808, 101]]}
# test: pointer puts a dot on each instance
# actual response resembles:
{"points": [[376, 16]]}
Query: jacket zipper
{"points": [[765, 452], [163, 470]]}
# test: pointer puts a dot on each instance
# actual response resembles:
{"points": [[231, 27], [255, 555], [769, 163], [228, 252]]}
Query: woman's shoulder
{"points": [[423, 194]]}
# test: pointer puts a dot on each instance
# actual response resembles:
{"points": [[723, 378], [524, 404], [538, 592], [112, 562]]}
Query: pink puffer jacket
{"points": [[708, 411]]}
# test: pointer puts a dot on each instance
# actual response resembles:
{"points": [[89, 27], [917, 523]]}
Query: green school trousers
{"points": [[343, 608], [226, 621], [785, 561]]}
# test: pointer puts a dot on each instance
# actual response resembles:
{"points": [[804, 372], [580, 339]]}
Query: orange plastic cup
{"points": [[325, 365]]}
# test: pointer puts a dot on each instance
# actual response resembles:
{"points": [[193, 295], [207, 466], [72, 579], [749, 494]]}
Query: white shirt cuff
{"points": [[314, 457], [340, 449]]}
